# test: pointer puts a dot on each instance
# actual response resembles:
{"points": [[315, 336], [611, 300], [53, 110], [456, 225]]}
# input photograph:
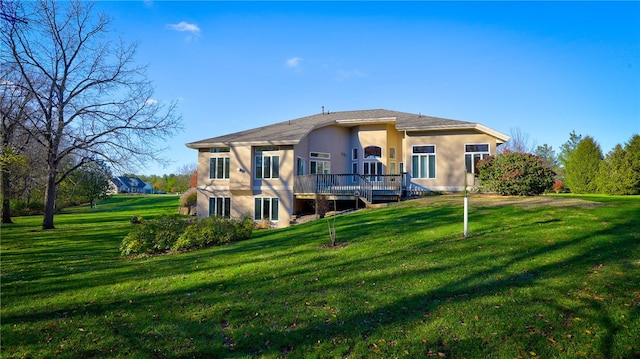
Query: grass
{"points": [[549, 277]]}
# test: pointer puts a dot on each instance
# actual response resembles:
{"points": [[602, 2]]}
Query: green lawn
{"points": [[548, 277]]}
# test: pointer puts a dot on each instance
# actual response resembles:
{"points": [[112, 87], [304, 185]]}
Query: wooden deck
{"points": [[369, 188]]}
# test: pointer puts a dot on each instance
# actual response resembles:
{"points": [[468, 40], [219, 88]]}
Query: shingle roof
{"points": [[129, 182], [292, 131]]}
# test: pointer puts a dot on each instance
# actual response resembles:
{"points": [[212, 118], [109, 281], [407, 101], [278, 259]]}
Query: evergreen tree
{"points": [[568, 147], [614, 175], [547, 153], [582, 167], [632, 149], [620, 171]]}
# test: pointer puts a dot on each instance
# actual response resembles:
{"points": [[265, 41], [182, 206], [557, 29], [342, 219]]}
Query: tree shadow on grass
{"points": [[245, 314]]}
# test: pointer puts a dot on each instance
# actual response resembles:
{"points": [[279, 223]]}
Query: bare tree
{"points": [[95, 101], [519, 142]]}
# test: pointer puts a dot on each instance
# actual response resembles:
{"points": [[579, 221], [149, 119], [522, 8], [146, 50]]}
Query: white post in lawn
{"points": [[466, 207], [466, 216]]}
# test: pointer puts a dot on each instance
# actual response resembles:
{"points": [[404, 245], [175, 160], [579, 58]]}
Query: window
{"points": [[372, 169], [354, 154], [473, 153], [300, 166], [219, 168], [371, 152], [423, 162], [266, 209], [320, 163], [392, 153], [220, 206], [393, 168], [219, 150], [320, 155], [267, 162]]}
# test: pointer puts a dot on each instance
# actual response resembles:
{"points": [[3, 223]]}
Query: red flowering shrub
{"points": [[515, 174], [558, 186]]}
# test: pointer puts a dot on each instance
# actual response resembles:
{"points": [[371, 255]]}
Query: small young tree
{"points": [[519, 174], [94, 181], [583, 167]]}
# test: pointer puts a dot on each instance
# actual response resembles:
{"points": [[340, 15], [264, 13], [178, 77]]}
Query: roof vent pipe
{"points": [[323, 110]]}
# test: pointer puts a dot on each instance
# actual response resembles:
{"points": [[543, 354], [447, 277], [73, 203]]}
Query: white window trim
{"points": [[323, 155], [270, 209], [225, 167], [262, 154], [435, 156], [473, 164], [364, 150], [212, 212], [304, 165]]}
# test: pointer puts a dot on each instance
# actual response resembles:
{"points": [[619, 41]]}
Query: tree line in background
{"points": [[186, 177], [580, 168]]}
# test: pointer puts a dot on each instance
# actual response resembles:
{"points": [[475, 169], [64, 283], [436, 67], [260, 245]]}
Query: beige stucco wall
{"points": [[383, 135], [333, 140], [338, 141], [242, 187], [450, 169]]}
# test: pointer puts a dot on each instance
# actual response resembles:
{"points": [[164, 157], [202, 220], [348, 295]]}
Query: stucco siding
{"points": [[450, 165], [333, 140]]}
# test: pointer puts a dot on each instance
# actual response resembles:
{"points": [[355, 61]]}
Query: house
{"points": [[273, 172], [124, 184]]}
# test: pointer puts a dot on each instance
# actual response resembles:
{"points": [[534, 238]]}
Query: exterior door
{"points": [[372, 170]]}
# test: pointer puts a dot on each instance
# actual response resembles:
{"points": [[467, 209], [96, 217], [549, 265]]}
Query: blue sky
{"points": [[541, 68]]}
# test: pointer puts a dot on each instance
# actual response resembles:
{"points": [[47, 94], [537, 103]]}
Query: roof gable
{"points": [[129, 182]]}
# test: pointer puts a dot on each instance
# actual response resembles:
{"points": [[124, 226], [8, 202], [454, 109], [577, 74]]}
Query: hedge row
{"points": [[176, 233]]}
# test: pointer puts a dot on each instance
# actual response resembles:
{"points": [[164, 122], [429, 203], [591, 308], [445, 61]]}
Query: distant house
{"points": [[272, 172], [130, 185]]}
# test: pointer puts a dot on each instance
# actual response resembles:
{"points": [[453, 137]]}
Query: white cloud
{"points": [[185, 26], [151, 102], [293, 62], [347, 75]]}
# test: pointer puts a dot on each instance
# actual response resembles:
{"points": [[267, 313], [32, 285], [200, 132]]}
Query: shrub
{"points": [[21, 208], [189, 198], [211, 231], [558, 186], [136, 219], [515, 173], [154, 236]]}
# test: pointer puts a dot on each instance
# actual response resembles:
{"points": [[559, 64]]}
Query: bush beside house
{"points": [[176, 232], [188, 202], [515, 174]]}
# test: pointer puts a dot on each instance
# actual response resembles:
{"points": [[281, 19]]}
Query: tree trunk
{"points": [[49, 201], [6, 200]]}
